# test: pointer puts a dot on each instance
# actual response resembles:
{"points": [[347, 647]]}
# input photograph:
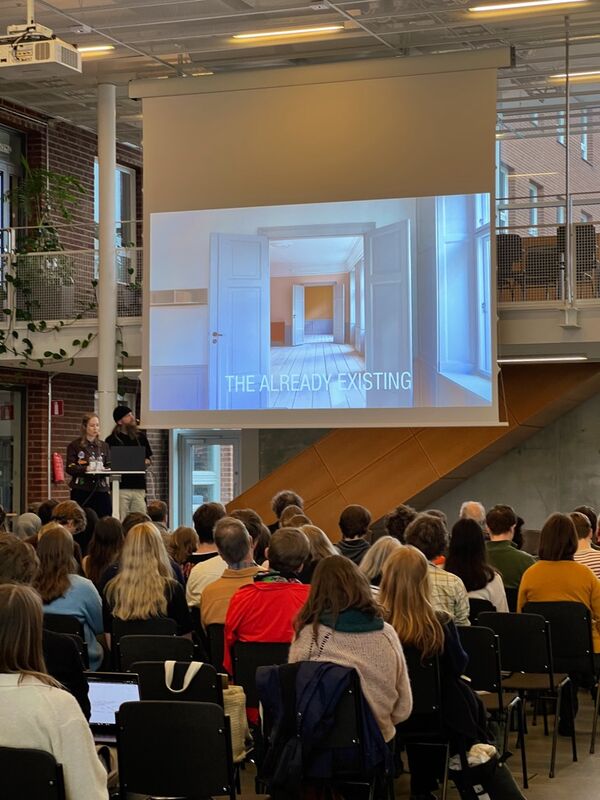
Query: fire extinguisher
{"points": [[58, 468]]}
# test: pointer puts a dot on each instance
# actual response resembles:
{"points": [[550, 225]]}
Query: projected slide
{"points": [[365, 304]]}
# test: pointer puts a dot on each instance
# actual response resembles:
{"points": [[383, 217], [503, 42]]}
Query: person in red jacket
{"points": [[264, 610]]}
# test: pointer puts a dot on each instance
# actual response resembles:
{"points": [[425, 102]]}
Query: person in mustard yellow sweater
{"points": [[557, 577]]}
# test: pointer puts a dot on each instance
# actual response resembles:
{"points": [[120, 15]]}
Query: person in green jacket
{"points": [[504, 557]]}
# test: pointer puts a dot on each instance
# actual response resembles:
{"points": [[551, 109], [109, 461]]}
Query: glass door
{"points": [[208, 470], [11, 449]]}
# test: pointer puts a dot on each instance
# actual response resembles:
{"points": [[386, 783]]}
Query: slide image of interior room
{"points": [[312, 322]]}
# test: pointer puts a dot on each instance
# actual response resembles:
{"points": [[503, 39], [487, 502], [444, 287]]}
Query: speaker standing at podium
{"points": [[132, 495], [86, 457]]}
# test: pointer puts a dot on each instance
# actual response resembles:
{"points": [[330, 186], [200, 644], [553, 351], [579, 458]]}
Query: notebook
{"points": [[108, 690]]}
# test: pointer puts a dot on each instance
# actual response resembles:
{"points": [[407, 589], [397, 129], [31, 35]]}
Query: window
{"points": [[584, 137], [535, 119], [125, 213], [534, 194], [560, 128], [585, 217], [502, 194], [560, 215]]}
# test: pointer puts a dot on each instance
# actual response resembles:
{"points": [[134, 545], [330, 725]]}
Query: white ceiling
{"points": [[169, 37], [320, 256]]}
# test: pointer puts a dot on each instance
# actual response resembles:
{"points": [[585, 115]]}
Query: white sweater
{"points": [[35, 715], [494, 592], [377, 657]]}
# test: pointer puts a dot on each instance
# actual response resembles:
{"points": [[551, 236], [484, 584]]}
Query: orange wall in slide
{"points": [[318, 302], [281, 293]]}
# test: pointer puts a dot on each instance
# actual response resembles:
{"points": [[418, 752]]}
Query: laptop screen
{"points": [[107, 693], [128, 458]]}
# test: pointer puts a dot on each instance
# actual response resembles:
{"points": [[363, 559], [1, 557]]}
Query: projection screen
{"points": [[318, 245]]}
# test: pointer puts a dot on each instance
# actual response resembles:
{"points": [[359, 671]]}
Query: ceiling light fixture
{"points": [[96, 48], [130, 369], [530, 174], [572, 75], [201, 74], [289, 32], [541, 359], [523, 4]]}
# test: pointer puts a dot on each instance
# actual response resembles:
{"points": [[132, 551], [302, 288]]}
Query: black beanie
{"points": [[120, 412]]}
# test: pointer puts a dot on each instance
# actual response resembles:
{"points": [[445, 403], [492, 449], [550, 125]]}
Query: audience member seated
{"points": [[45, 509], [280, 502], [503, 556], [208, 564], [555, 577], [144, 586], [354, 525], [104, 550], [257, 529], [26, 525], [372, 564], [288, 513], [397, 521], [84, 538], [65, 592], [518, 540], [3, 528], [297, 521], [19, 564], [320, 547], [473, 509], [585, 554], [341, 622], [467, 559], [590, 513], [158, 511], [183, 542], [235, 547], [70, 515], [429, 535], [36, 711], [405, 594], [133, 518], [264, 610]]}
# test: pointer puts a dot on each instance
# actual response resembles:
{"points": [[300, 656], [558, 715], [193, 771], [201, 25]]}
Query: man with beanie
{"points": [[132, 496]]}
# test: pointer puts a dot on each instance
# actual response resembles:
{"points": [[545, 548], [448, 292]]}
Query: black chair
{"points": [[509, 260], [478, 605], [206, 686], [526, 649], [153, 648], [572, 644], [425, 726], [586, 253], [71, 627], [544, 267], [216, 645], [30, 775], [512, 596], [484, 671], [155, 626], [174, 749], [247, 657]]}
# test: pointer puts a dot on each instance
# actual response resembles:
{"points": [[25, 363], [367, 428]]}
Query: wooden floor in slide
{"points": [[315, 375]]}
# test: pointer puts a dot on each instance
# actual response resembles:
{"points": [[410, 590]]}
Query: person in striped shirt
{"points": [[585, 554]]}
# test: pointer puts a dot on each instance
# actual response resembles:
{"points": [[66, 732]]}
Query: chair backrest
{"points": [[174, 749], [509, 250], [205, 687], [155, 626], [512, 595], [524, 642], [30, 775], [64, 623], [476, 606], [426, 717], [542, 265], [585, 245], [153, 648], [483, 648], [216, 644], [570, 634], [248, 656]]}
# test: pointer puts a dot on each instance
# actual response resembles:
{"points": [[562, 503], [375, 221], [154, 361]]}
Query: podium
{"points": [[114, 476]]}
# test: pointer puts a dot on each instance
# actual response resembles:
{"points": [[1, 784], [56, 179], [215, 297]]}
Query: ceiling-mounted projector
{"points": [[32, 50]]}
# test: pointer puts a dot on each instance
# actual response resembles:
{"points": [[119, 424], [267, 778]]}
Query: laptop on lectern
{"points": [[128, 459]]}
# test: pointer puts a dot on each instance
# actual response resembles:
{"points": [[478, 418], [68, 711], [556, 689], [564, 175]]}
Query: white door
{"points": [[388, 323], [339, 313], [240, 321], [297, 314]]}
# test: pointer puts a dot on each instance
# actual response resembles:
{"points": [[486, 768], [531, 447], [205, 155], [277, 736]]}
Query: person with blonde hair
{"points": [[64, 592], [36, 711], [86, 457], [372, 564], [144, 586], [341, 622], [320, 547], [288, 514], [405, 593]]}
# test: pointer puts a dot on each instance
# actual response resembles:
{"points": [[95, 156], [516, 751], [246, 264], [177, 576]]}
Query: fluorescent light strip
{"points": [[129, 369], [577, 74], [97, 48], [530, 174], [526, 4], [290, 32], [541, 359]]}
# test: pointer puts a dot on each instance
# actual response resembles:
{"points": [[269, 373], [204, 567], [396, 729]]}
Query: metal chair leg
{"points": [[595, 718], [521, 724], [572, 690], [555, 733], [445, 783]]}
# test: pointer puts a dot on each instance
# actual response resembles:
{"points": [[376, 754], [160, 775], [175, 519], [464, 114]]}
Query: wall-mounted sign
{"points": [[7, 411], [5, 148]]}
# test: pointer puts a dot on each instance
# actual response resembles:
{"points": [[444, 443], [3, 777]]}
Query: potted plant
{"points": [[44, 277]]}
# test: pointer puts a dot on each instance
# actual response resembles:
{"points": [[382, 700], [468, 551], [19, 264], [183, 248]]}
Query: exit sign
{"points": [[57, 408]]}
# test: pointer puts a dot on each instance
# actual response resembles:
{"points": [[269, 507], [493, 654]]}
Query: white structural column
{"points": [[107, 283]]}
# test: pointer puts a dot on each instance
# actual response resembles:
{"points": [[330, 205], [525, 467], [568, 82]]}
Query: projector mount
{"points": [[31, 31]]}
